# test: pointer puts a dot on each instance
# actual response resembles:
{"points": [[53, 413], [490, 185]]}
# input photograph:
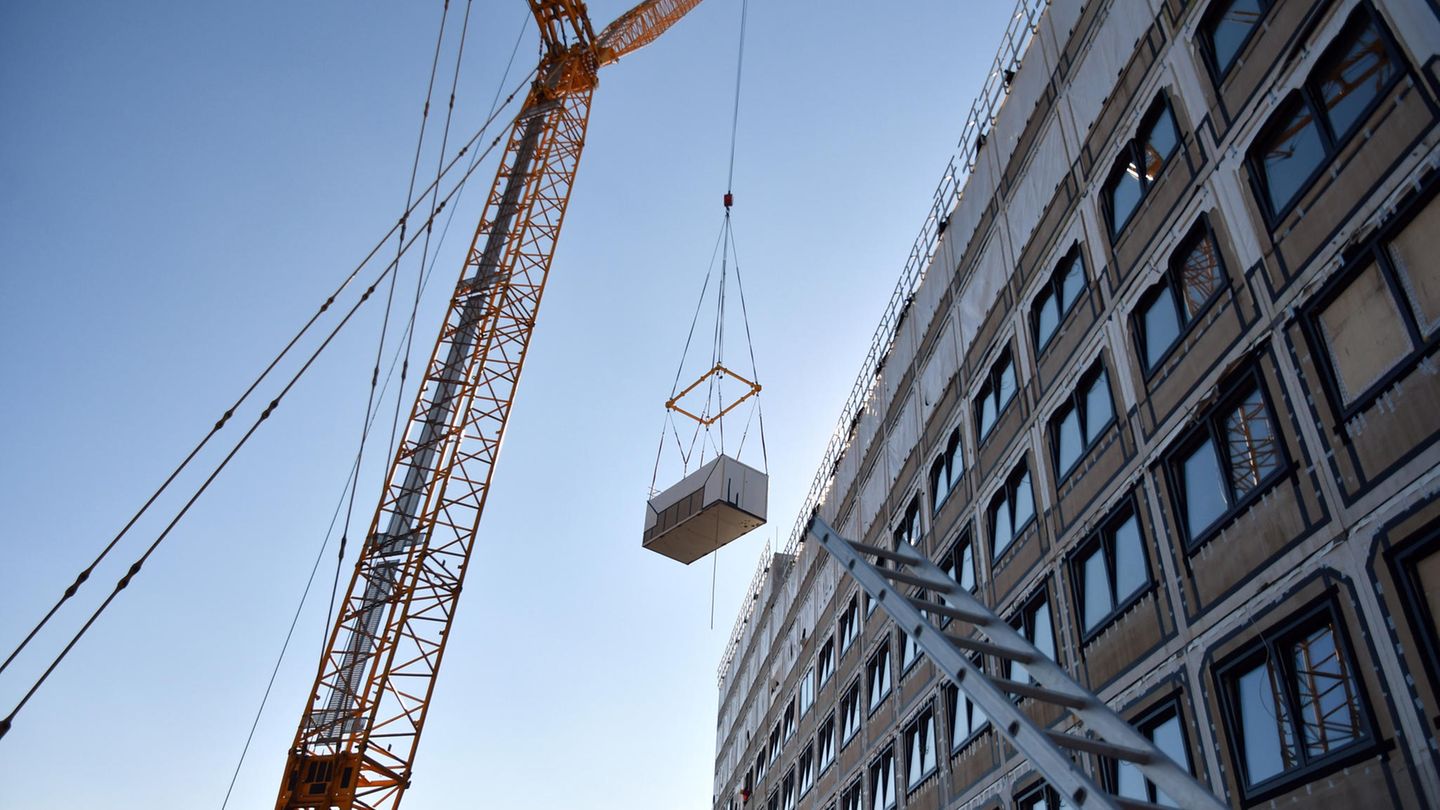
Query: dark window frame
{"points": [[1042, 795], [850, 615], [882, 650], [1173, 280], [1263, 648], [1207, 426], [910, 729], [945, 463], [1132, 153], [1006, 494], [1356, 261], [952, 708], [1146, 723], [1078, 401], [1218, 74], [950, 559], [1102, 536], [1308, 96], [993, 376], [822, 765], [854, 790], [1423, 625], [872, 773], [826, 653], [1024, 623], [911, 527], [1054, 286], [851, 691]]}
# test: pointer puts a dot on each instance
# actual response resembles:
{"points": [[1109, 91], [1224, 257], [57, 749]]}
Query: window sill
{"points": [[926, 780], [1288, 781]]}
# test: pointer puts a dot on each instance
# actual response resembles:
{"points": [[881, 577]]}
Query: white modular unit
{"points": [[710, 507]]}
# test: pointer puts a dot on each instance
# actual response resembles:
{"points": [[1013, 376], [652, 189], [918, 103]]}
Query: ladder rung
{"points": [[1030, 690], [977, 619], [986, 648], [910, 579], [893, 556], [1100, 747]]}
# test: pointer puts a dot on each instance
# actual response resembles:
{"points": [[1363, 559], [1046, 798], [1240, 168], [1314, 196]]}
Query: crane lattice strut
{"points": [[1049, 751]]}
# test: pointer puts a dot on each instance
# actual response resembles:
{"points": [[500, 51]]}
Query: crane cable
{"points": [[7, 722], [85, 573], [351, 476]]}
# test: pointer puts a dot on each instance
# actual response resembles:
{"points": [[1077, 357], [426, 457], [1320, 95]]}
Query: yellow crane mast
{"points": [[355, 746]]}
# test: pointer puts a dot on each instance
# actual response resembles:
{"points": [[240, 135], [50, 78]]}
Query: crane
{"points": [[356, 742]]}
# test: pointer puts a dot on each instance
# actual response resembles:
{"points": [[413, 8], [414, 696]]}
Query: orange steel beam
{"points": [[356, 743]]}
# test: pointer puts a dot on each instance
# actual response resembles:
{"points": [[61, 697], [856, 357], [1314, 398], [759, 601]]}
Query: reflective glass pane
{"points": [[1098, 409], [1350, 83], [1001, 532], [967, 568], [1204, 487], [1161, 325], [987, 412], [1124, 194], [1289, 155], [1254, 447], [1047, 317], [1159, 142], [1130, 573], [1044, 639], [1200, 275], [1073, 284], [1229, 29], [1130, 782], [1024, 502], [1329, 705], [1168, 737], [1068, 442], [1007, 383], [1098, 601], [1264, 731]]}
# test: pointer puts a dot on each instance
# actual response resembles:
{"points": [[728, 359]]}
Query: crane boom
{"points": [[356, 742]]}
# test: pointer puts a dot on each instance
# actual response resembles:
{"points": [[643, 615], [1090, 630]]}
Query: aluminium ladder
{"points": [[993, 695]]}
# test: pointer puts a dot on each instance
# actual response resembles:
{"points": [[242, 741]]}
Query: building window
{"points": [[788, 722], [1040, 797], [1293, 704], [966, 718], [882, 781], [1139, 164], [1163, 728], [776, 741], [909, 530], [850, 713], [825, 742], [806, 769], [1311, 125], [1383, 316], [1226, 460], [1225, 30], [1057, 298], [762, 761], [920, 749], [1033, 622], [1417, 569], [1011, 510], [997, 391], [850, 799], [877, 675], [774, 803], [807, 690], [787, 791], [1193, 278], [1110, 569], [825, 662], [1079, 423], [849, 625], [959, 564], [909, 649], [945, 472]]}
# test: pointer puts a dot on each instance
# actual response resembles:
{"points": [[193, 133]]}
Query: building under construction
{"points": [[1159, 386]]}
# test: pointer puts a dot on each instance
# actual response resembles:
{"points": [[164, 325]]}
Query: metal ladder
{"points": [[1046, 749]]}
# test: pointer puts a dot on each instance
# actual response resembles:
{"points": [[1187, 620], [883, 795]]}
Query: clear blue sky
{"points": [[183, 183]]}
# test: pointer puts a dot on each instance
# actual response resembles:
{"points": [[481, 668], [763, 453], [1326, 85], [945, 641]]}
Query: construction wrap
{"points": [[1104, 60], [939, 369]]}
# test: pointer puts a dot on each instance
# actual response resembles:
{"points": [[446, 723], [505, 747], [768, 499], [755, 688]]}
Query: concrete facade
{"points": [[1266, 340]]}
